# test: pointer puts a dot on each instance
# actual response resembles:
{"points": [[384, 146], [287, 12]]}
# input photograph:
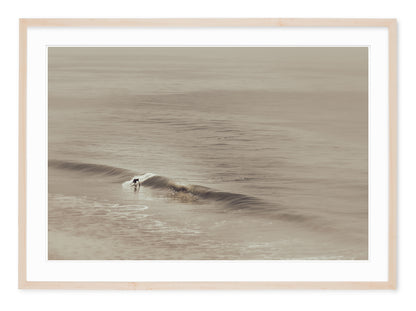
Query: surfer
{"points": [[136, 183]]}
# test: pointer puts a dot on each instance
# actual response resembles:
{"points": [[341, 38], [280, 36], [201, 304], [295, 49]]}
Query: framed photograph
{"points": [[207, 154]]}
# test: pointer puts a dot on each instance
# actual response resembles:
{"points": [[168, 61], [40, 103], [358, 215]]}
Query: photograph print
{"points": [[208, 153]]}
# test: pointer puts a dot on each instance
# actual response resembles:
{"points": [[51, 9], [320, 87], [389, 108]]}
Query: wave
{"points": [[97, 169], [230, 200], [187, 193], [235, 200]]}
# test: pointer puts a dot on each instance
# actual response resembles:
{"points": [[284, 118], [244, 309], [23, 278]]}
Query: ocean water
{"points": [[243, 153]]}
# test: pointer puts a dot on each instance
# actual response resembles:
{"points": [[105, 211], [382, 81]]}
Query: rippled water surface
{"points": [[241, 153]]}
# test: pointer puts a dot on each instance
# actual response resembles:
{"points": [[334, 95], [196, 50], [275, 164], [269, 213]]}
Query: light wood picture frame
{"points": [[389, 24]]}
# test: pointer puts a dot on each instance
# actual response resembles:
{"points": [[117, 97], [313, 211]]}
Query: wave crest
{"points": [[186, 193], [235, 200], [90, 168]]}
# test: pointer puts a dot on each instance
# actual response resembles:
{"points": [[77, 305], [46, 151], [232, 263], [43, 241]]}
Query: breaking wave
{"points": [[236, 201]]}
